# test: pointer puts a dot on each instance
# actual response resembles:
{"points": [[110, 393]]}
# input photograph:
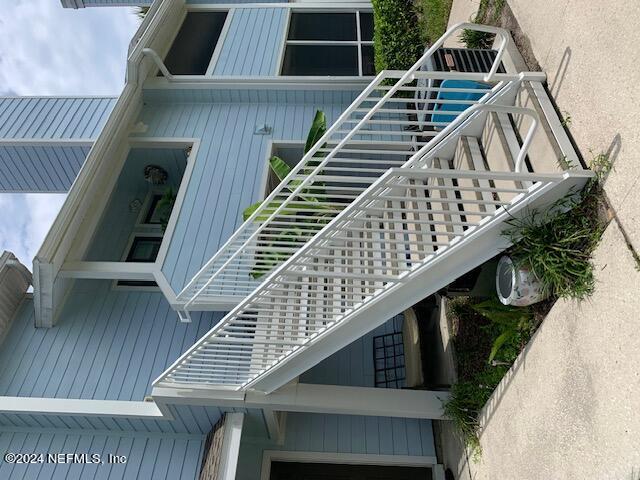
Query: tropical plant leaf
{"points": [[279, 167], [503, 338], [318, 129]]}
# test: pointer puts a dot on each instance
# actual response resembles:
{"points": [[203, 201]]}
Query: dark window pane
{"points": [[193, 47], [137, 283], [153, 214], [368, 65], [320, 60], [366, 26], [144, 249], [323, 26]]}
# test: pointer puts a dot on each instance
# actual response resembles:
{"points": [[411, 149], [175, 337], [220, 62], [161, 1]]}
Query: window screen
{"points": [[193, 47]]}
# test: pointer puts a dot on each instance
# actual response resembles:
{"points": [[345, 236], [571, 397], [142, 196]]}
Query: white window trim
{"points": [[320, 9], [269, 456], [110, 270], [221, 39], [138, 232]]}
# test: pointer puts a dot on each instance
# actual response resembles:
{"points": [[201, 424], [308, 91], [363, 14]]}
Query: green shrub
{"points": [[488, 339], [433, 16], [397, 43], [556, 245], [476, 39]]}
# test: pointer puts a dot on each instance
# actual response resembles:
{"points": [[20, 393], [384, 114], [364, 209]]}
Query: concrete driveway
{"points": [[571, 407]]}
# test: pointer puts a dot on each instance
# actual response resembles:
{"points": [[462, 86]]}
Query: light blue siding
{"points": [[314, 432], [252, 43], [148, 457], [107, 344], [230, 163], [352, 365], [50, 118], [35, 153], [37, 168]]}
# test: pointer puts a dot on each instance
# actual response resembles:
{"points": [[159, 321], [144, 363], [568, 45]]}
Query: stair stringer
{"points": [[479, 247]]}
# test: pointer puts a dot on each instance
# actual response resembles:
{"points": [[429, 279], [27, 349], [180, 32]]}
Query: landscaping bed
{"points": [[556, 247]]}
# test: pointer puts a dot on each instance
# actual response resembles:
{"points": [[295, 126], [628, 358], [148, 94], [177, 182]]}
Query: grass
{"points": [[433, 16], [556, 245], [478, 326], [489, 12]]}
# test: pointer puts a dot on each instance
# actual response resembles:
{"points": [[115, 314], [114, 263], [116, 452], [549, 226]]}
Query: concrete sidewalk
{"points": [[571, 407]]}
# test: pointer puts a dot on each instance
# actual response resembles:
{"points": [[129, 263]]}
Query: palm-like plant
{"points": [[306, 204]]}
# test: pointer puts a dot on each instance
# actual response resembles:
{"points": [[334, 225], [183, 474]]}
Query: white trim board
{"points": [[244, 82], [70, 406], [309, 398], [269, 456], [319, 5]]}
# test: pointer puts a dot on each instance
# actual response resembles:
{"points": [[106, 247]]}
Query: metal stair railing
{"points": [[407, 219], [377, 132]]}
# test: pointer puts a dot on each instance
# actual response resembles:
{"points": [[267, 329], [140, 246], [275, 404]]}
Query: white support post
{"points": [[230, 446]]}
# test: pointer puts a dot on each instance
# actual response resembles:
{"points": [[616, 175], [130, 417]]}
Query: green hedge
{"points": [[397, 41]]}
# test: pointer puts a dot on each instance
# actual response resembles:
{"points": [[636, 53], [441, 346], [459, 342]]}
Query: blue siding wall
{"points": [[341, 434], [230, 162], [53, 117], [148, 457], [353, 365], [35, 155], [107, 344], [252, 43], [38, 168]]}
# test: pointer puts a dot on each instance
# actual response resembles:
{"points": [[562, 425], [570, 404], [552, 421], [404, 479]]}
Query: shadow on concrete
{"points": [[612, 152], [561, 73]]}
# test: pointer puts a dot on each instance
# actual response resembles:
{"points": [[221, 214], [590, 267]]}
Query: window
{"points": [[291, 152], [144, 249], [195, 43], [329, 43], [153, 216]]}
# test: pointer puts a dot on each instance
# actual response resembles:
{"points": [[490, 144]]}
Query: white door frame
{"points": [[269, 456]]}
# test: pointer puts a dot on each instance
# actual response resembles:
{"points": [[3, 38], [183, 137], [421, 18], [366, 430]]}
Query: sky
{"points": [[49, 50]]}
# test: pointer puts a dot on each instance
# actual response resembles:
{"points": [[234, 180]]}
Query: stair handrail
{"points": [[407, 76], [452, 130]]}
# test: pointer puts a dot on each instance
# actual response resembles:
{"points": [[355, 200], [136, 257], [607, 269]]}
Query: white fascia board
{"points": [[309, 398], [65, 406], [108, 270]]}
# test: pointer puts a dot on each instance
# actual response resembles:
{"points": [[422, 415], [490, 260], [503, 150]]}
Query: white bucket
{"points": [[517, 286]]}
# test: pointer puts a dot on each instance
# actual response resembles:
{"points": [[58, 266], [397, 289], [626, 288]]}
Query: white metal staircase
{"points": [[375, 218]]}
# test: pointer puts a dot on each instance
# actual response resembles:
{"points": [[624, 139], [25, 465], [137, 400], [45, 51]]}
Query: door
{"points": [[329, 471]]}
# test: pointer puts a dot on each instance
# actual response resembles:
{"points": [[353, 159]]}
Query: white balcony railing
{"points": [[380, 130]]}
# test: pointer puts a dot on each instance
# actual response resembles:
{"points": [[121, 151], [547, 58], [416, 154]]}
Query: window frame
{"points": [[358, 42], [221, 39]]}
